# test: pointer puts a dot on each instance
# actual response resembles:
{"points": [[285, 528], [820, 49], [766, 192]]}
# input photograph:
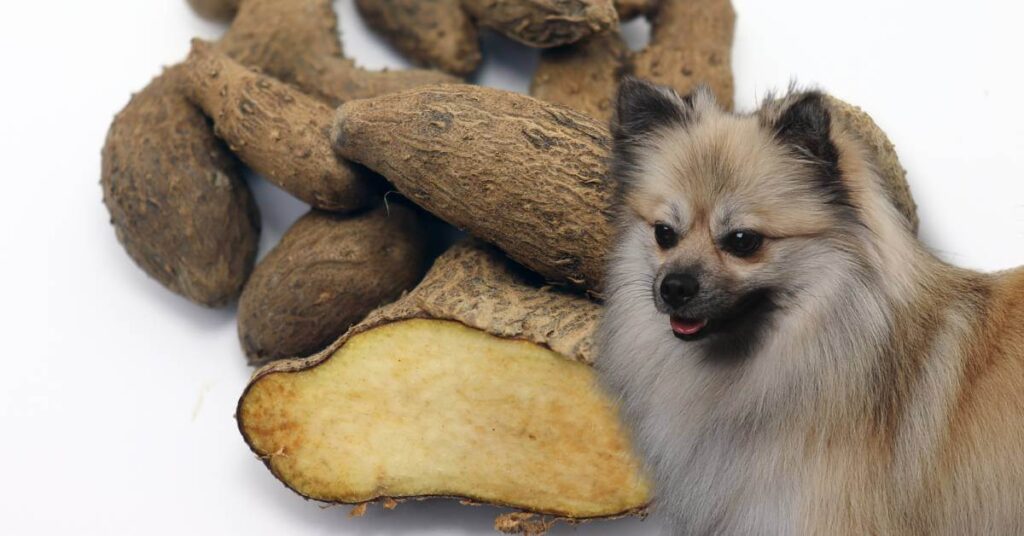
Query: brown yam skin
{"points": [[326, 274], [278, 131], [175, 196], [691, 44], [583, 76], [215, 10], [297, 42], [630, 9], [475, 285], [544, 23], [860, 124], [161, 136], [435, 33], [525, 175]]}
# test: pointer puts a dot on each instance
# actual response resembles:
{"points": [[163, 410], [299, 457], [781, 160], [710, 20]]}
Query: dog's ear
{"points": [[806, 125], [642, 107]]}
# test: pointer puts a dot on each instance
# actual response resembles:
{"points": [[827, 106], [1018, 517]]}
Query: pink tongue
{"points": [[687, 327]]}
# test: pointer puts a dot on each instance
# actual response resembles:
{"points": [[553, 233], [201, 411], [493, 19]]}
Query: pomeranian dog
{"points": [[790, 359]]}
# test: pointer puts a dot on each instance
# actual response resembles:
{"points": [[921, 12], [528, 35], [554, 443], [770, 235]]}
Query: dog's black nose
{"points": [[677, 289]]}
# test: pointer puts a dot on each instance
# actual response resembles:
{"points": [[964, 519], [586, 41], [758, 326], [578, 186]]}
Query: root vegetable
{"points": [[326, 274], [436, 33], [160, 137], [215, 10], [858, 123], [629, 9], [583, 76], [544, 23], [297, 42], [443, 33], [527, 176], [475, 385], [691, 44], [276, 130], [176, 198]]}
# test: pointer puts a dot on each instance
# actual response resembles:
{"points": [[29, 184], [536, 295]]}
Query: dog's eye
{"points": [[665, 235], [742, 243]]}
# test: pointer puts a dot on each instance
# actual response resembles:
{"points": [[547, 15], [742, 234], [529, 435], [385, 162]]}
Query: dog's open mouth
{"points": [[687, 328]]}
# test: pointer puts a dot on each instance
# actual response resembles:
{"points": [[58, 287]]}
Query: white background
{"points": [[116, 397]]}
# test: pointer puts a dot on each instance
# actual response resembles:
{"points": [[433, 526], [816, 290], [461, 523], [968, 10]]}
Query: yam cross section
{"points": [[477, 385]]}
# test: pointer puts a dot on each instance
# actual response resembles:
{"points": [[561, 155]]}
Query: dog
{"points": [[788, 357]]}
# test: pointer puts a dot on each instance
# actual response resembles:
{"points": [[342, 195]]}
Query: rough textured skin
{"points": [[175, 196], [435, 33], [691, 44], [629, 9], [885, 159], [525, 175], [160, 135], [297, 41], [215, 10], [544, 23], [278, 131], [583, 76], [326, 274], [506, 301], [474, 286]]}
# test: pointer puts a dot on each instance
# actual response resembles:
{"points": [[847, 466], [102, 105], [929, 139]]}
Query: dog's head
{"points": [[726, 217]]}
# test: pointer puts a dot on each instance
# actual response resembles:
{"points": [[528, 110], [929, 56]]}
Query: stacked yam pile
{"points": [[384, 381]]}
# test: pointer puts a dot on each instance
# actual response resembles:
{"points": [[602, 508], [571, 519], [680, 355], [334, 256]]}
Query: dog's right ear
{"points": [[642, 107]]}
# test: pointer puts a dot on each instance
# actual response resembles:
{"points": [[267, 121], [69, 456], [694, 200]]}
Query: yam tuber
{"points": [[544, 23], [326, 274], [276, 130], [527, 176], [691, 44], [176, 198], [161, 157], [475, 385], [436, 33], [443, 33], [215, 10]]}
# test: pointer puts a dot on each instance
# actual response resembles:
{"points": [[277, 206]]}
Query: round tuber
{"points": [[176, 198], [326, 274]]}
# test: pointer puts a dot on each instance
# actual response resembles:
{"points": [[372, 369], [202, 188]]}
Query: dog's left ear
{"points": [[642, 108], [806, 125]]}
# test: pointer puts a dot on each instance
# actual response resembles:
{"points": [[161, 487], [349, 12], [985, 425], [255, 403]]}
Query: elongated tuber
{"points": [[527, 176], [326, 274], [475, 385], [276, 130]]}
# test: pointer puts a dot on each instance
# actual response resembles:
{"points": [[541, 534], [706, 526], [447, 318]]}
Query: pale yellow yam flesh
{"points": [[434, 408]]}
